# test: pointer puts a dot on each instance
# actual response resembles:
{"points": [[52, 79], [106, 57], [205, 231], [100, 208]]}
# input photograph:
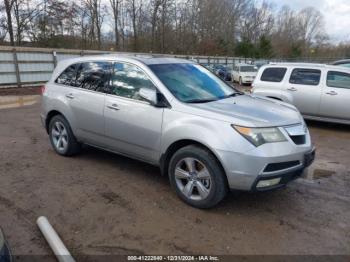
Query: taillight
{"points": [[42, 89]]}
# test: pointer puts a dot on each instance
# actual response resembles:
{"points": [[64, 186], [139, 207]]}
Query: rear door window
{"points": [[67, 77], [338, 79], [93, 76], [273, 74], [303, 76]]}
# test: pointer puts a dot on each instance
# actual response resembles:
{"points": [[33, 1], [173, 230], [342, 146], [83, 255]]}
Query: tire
{"points": [[240, 81], [206, 172], [60, 130]]}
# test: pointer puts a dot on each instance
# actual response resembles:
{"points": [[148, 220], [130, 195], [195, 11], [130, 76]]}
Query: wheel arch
{"points": [[49, 116], [273, 97], [175, 146]]}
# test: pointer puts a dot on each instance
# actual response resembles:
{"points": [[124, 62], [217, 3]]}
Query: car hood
{"points": [[250, 110]]}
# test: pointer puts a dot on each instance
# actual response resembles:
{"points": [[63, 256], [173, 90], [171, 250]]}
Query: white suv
{"points": [[320, 92]]}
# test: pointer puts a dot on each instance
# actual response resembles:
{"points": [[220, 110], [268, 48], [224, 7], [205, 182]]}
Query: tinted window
{"points": [[93, 76], [192, 83], [302, 76], [343, 63], [127, 80], [346, 65], [67, 77], [274, 74], [338, 79]]}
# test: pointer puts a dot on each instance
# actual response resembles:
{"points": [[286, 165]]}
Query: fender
{"points": [[287, 97]]}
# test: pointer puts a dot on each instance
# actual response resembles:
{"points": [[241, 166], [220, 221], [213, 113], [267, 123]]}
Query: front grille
{"points": [[298, 140], [280, 166]]}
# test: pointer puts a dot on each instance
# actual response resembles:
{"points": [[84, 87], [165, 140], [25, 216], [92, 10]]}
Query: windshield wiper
{"points": [[198, 101], [238, 93]]}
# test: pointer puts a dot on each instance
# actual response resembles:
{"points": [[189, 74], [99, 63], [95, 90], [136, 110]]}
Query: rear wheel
{"points": [[62, 138], [197, 177]]}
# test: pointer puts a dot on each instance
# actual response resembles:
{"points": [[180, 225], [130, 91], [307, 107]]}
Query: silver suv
{"points": [[175, 114]]}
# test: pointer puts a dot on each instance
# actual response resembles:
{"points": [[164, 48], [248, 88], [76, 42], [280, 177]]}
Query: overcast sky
{"points": [[336, 14]]}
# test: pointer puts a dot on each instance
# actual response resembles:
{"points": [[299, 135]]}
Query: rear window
{"points": [[67, 77], [93, 75], [248, 69], [346, 65], [273, 74], [302, 76]]}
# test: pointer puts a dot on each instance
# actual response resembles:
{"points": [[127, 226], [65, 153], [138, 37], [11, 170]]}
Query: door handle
{"points": [[293, 89], [70, 96], [113, 107], [332, 93]]}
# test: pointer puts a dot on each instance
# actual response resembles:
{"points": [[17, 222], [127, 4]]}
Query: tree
{"points": [[96, 14], [207, 27], [24, 13], [8, 9], [245, 48], [3, 24], [115, 4], [264, 48], [155, 6], [311, 27], [257, 22]]}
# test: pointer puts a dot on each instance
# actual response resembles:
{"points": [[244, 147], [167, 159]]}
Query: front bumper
{"points": [[247, 80], [276, 160], [284, 177]]}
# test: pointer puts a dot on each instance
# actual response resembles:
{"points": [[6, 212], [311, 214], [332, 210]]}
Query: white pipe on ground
{"points": [[56, 244]]}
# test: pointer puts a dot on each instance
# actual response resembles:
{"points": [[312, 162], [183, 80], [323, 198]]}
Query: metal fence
{"points": [[23, 66]]}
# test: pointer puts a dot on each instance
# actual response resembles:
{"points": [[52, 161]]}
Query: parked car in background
{"points": [[172, 113], [210, 67], [320, 92], [345, 63], [223, 71], [260, 63], [244, 73]]}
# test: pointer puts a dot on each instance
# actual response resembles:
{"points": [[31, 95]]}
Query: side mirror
{"points": [[149, 95]]}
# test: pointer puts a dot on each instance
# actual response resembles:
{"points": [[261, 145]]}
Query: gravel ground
{"points": [[101, 203]]}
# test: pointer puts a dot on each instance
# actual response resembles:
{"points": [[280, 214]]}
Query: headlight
{"points": [[260, 136]]}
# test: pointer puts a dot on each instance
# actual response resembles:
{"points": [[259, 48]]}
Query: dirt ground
{"points": [[101, 203], [15, 91]]}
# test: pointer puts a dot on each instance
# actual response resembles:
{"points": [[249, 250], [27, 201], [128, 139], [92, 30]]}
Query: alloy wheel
{"points": [[59, 136], [193, 179]]}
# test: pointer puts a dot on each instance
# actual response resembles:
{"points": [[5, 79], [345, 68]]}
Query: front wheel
{"points": [[197, 177], [240, 81]]}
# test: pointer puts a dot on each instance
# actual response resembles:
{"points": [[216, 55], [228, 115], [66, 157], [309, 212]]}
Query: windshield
{"points": [[191, 83], [248, 69]]}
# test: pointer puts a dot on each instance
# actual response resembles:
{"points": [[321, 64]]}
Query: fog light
{"points": [[269, 182]]}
